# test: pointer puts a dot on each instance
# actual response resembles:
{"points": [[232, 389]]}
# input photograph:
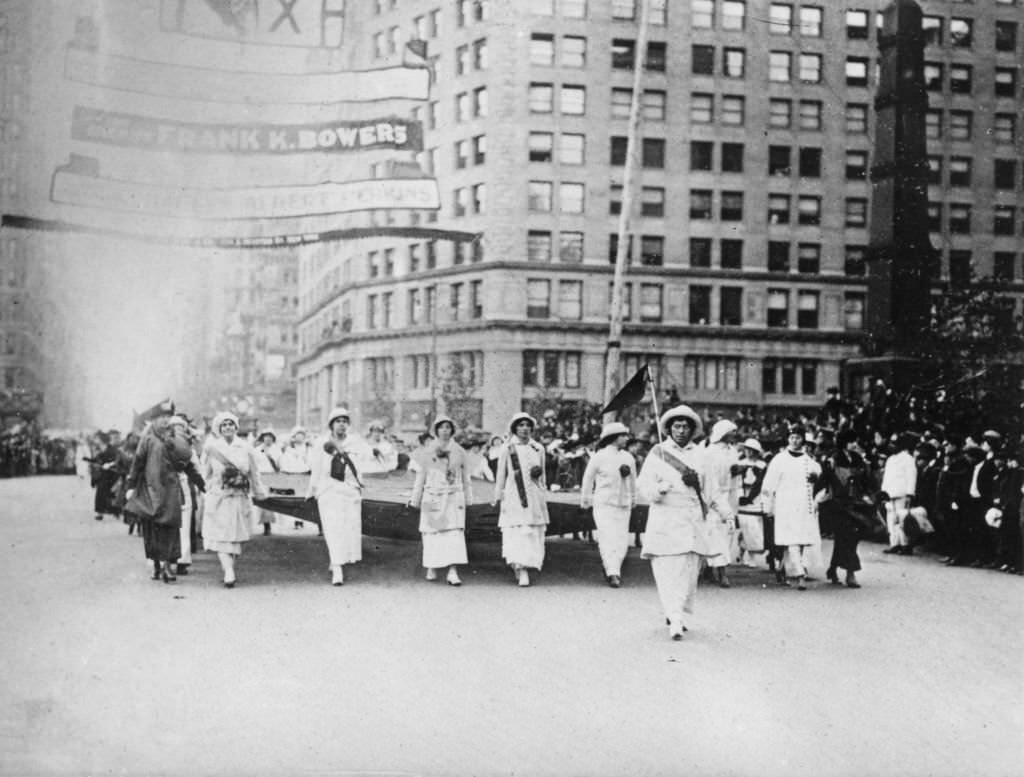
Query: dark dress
{"points": [[105, 480], [158, 499], [844, 514]]}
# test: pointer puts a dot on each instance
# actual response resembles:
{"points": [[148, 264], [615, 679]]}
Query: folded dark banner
{"points": [[629, 394]]}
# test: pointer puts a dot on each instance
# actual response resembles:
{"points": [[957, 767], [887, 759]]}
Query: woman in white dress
{"points": [[335, 482], [268, 458], [789, 490], [521, 489], [232, 475], [609, 485], [442, 493]]}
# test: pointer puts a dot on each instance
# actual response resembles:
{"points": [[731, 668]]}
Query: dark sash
{"points": [[338, 473], [682, 468], [517, 472]]}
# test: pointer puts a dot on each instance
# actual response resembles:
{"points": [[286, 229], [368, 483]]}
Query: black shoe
{"points": [[833, 578], [614, 581], [182, 569], [99, 517], [168, 577], [266, 530]]}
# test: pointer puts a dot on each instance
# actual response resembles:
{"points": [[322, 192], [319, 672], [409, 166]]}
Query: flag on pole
{"points": [[629, 394]]}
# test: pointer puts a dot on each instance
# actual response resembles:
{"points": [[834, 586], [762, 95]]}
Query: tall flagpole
{"points": [[611, 366]]}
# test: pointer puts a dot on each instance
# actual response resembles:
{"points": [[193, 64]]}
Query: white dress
{"points": [[442, 493], [722, 494], [340, 502], [523, 526], [612, 496], [266, 459], [228, 510], [788, 490]]}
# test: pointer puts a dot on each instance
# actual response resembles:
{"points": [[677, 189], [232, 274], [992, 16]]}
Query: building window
{"points": [[856, 71], [540, 146], [613, 249], [574, 9], [540, 193], [857, 25], [415, 307], [807, 310], [779, 66], [700, 305], [570, 247], [960, 78], [959, 171], [780, 17], [730, 309], [810, 21], [621, 103], [574, 100], [571, 148], [1004, 128], [619, 145], [702, 109], [808, 258], [476, 305], [571, 198], [623, 53], [702, 14], [731, 254], [372, 319], [856, 165], [778, 308], [656, 59], [551, 369], [1003, 265], [781, 377], [734, 14], [652, 201], [856, 212], [855, 264], [780, 113], [961, 33], [960, 270], [734, 63], [933, 76], [1005, 173], [542, 98], [732, 206], [778, 256], [853, 310], [960, 218], [461, 154], [701, 155], [542, 50], [934, 216], [652, 153], [933, 125], [856, 118], [538, 298], [538, 246], [810, 115], [650, 302], [703, 60], [1002, 219], [460, 202], [700, 204], [570, 300], [627, 300], [732, 157], [479, 149], [700, 252], [462, 107], [733, 108], [623, 9], [810, 68], [652, 250], [574, 51], [779, 164], [932, 28], [652, 105], [810, 163], [1006, 82], [711, 373], [480, 54], [778, 208], [614, 199], [935, 170]]}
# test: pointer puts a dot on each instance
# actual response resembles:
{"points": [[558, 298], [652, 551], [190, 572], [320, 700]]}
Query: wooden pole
{"points": [[611, 366]]}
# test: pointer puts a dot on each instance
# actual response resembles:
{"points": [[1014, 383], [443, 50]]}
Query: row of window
{"points": [[961, 169], [961, 79], [959, 125]]}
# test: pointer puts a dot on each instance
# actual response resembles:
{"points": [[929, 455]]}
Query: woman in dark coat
{"points": [[847, 510], [155, 495]]}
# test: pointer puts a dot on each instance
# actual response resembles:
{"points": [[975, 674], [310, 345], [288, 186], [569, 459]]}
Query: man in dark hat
{"points": [[952, 501]]}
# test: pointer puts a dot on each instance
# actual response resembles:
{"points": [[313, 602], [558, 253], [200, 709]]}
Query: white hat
{"points": [[682, 411], [753, 444], [521, 417], [614, 429], [376, 423], [994, 517], [443, 419], [720, 429], [221, 418], [298, 430], [338, 412]]}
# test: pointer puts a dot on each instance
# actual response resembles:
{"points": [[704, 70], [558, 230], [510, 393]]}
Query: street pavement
{"points": [[105, 672]]}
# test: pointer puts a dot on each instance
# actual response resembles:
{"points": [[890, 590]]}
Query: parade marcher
{"points": [[721, 482], [336, 484], [899, 484], [609, 486], [521, 489], [676, 536], [268, 458], [750, 510], [232, 476], [124, 466], [105, 476], [494, 453], [789, 490], [384, 455], [155, 496], [295, 457], [442, 492], [847, 509], [190, 496]]}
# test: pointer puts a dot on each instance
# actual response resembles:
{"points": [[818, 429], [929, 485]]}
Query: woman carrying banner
{"points": [[336, 484], [609, 485], [442, 493], [676, 539], [268, 458], [521, 489], [232, 477]]}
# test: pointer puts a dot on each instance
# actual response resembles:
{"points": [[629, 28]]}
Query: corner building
{"points": [[746, 284]]}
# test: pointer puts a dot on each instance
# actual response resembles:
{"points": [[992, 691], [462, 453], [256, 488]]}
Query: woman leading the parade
{"points": [[335, 482], [233, 476], [442, 492], [521, 489], [609, 486]]}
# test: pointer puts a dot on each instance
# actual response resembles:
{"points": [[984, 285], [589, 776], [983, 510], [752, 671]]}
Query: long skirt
{"points": [[185, 535], [444, 548], [523, 546], [612, 536], [676, 579], [161, 543], [341, 517], [226, 523], [797, 559], [722, 534]]}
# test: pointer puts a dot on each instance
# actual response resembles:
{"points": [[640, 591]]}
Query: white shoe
{"points": [[524, 578], [337, 576], [431, 574], [453, 577], [229, 579]]}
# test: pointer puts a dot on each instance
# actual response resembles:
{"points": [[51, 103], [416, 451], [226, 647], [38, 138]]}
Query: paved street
{"points": [[107, 672]]}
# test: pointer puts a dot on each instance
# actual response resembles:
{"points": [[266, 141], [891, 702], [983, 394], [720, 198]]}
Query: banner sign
{"points": [[125, 129], [190, 82], [309, 23]]}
